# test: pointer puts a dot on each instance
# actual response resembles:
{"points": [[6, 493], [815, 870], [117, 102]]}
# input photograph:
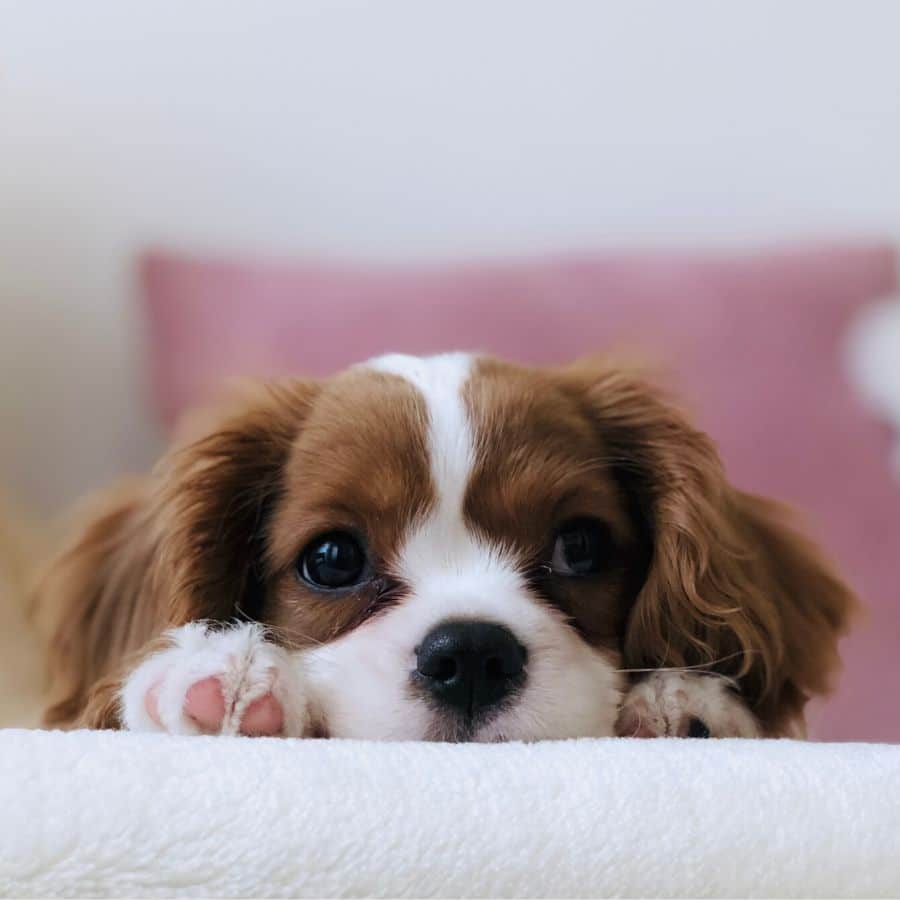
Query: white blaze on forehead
{"points": [[442, 546], [440, 380]]}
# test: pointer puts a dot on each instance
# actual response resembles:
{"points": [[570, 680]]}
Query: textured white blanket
{"points": [[104, 814]]}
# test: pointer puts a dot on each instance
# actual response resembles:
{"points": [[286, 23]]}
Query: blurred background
{"points": [[188, 190]]}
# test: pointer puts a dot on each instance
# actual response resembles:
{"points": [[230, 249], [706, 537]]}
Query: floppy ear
{"points": [[215, 498], [184, 543], [730, 585]]}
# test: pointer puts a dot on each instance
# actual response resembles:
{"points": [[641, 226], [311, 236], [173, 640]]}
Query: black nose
{"points": [[470, 665]]}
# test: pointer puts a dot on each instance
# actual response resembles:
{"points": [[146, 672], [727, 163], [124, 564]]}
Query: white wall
{"points": [[401, 130]]}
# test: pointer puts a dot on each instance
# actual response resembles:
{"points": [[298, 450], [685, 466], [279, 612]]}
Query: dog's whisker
{"points": [[288, 635], [696, 667]]}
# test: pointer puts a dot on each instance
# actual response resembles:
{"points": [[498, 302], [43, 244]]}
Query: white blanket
{"points": [[105, 814]]}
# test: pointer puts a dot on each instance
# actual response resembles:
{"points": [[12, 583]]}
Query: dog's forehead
{"points": [[440, 382], [459, 440], [447, 420], [505, 443]]}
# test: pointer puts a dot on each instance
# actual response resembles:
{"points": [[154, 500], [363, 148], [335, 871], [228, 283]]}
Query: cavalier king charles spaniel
{"points": [[450, 548]]}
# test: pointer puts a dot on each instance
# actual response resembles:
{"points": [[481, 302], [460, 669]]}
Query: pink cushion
{"points": [[752, 342]]}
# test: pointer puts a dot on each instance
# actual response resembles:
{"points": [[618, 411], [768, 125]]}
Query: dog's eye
{"points": [[332, 561], [581, 548]]}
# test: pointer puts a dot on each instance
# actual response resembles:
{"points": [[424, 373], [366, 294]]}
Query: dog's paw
{"points": [[216, 681], [684, 704]]}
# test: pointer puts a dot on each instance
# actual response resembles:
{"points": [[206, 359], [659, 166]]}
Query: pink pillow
{"points": [[752, 342]]}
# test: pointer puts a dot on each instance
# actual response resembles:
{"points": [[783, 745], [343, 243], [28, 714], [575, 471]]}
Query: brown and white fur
{"points": [[179, 606]]}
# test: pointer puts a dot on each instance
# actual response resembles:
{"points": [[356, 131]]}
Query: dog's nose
{"points": [[470, 665]]}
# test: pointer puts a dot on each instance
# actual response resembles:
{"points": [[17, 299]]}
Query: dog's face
{"points": [[457, 547], [463, 549], [471, 550]]}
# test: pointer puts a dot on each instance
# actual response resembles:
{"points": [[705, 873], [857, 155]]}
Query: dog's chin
{"points": [[369, 710], [500, 728], [455, 728], [511, 722], [516, 720]]}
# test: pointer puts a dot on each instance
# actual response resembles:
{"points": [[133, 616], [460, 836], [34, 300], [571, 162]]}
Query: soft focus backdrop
{"points": [[189, 190], [394, 130]]}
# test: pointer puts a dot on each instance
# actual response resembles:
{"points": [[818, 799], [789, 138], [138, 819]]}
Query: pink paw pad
{"points": [[204, 704], [264, 716]]}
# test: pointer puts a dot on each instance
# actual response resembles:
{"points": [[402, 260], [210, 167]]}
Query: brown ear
{"points": [[730, 584], [216, 495], [184, 543]]}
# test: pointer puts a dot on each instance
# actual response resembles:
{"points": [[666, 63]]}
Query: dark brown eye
{"points": [[582, 547], [332, 561]]}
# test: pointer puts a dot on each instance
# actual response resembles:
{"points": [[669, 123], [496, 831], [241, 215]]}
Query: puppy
{"points": [[451, 548]]}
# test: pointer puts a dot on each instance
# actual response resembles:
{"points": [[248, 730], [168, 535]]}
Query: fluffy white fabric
{"points": [[873, 357], [112, 814]]}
